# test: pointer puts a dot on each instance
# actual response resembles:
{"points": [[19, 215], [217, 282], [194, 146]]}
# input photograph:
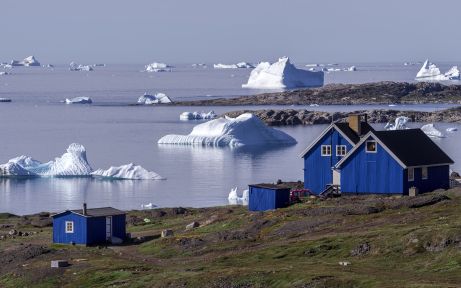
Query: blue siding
{"points": [[59, 229], [96, 230], [262, 199], [372, 173], [119, 226], [317, 168], [438, 178]]}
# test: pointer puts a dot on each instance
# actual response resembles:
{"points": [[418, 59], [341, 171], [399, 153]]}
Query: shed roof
{"points": [[270, 186], [96, 212], [413, 147]]}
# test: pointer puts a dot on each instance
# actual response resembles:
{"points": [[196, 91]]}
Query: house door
{"points": [[336, 177], [108, 227]]}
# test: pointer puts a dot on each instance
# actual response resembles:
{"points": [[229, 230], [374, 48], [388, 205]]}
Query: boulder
{"points": [[192, 225]]}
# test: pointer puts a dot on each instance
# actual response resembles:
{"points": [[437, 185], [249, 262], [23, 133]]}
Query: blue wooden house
{"points": [[328, 149], [354, 158], [89, 226], [267, 197], [392, 162]]}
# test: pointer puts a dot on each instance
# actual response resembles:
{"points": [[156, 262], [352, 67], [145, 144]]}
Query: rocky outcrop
{"points": [[349, 94], [290, 117]]}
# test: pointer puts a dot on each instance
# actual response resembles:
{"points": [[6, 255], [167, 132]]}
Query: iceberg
{"points": [[246, 129], [452, 129], [128, 171], [235, 199], [186, 116], [399, 124], [158, 67], [6, 66], [28, 61], [196, 65], [351, 69], [158, 98], [5, 100], [71, 163], [79, 100], [233, 66], [282, 75], [430, 72], [431, 131], [79, 67], [4, 73]]}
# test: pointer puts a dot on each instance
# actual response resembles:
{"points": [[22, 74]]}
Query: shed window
{"points": [[69, 226], [411, 174], [371, 146], [326, 150], [424, 174], [341, 150]]}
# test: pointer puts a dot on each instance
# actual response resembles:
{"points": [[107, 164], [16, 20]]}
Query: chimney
{"points": [[354, 121], [84, 209]]}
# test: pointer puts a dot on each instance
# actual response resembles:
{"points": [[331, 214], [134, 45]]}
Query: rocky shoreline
{"points": [[348, 94], [291, 117]]}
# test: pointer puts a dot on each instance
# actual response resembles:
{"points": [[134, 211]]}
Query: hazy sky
{"points": [[141, 31]]}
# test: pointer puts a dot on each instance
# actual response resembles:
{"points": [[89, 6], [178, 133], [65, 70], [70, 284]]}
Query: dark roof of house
{"points": [[97, 212], [351, 134], [413, 147], [270, 186]]}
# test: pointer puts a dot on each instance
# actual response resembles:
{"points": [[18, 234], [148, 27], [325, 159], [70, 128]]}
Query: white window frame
{"points": [[339, 148], [412, 178], [327, 149], [71, 225], [370, 151], [424, 176]]}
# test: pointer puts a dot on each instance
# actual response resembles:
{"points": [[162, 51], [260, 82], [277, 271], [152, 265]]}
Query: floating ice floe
{"points": [[196, 65], [158, 67], [79, 100], [282, 75], [128, 171], [233, 66], [73, 163], [351, 69], [431, 131], [48, 66], [79, 67], [6, 66], [148, 206], [399, 124], [99, 65], [186, 116], [235, 199], [158, 98], [430, 72], [28, 61], [452, 129], [5, 100], [314, 105], [246, 129], [4, 73]]}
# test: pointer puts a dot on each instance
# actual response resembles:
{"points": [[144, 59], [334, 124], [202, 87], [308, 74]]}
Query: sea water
{"points": [[37, 124]]}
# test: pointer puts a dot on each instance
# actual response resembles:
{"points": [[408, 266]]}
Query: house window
{"points": [[371, 146], [326, 150], [424, 173], [411, 174], [69, 226], [340, 150]]}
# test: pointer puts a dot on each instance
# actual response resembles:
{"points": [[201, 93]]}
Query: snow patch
{"points": [[158, 98], [246, 129], [282, 75]]}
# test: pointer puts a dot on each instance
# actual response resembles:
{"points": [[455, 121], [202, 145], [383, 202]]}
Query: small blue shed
{"points": [[89, 226], [268, 196]]}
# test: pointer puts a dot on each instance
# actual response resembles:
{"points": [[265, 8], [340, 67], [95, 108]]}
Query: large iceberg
{"points": [[233, 66], [186, 116], [158, 98], [431, 131], [246, 129], [79, 67], [79, 100], [235, 199], [28, 61], [282, 75], [128, 171], [158, 67], [430, 72], [73, 163]]}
